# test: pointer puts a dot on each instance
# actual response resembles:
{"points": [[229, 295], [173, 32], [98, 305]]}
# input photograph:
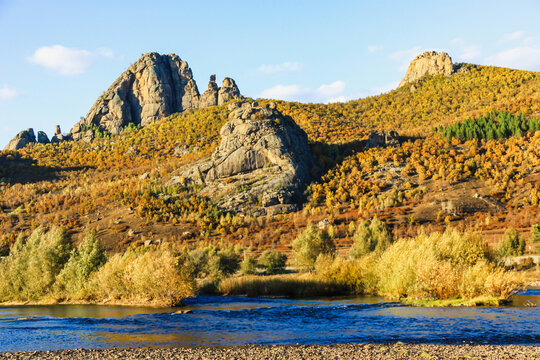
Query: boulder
{"points": [[261, 166], [21, 140], [428, 63], [42, 137]]}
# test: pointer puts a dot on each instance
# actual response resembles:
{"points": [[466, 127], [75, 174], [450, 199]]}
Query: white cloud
{"points": [[523, 58], [324, 93], [286, 66], [7, 93], [512, 36], [374, 48], [67, 61]]}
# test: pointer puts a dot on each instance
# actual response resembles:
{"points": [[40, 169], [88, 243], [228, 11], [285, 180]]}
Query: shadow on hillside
{"points": [[329, 156], [14, 169]]}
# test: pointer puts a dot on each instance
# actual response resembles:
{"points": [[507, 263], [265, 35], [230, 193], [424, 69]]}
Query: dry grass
{"points": [[285, 285]]}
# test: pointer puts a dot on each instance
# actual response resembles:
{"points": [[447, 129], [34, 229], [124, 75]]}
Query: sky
{"points": [[58, 56]]}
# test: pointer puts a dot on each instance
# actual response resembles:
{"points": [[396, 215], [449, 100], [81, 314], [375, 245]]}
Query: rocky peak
{"points": [[210, 96], [262, 148], [428, 63], [152, 88], [228, 91]]}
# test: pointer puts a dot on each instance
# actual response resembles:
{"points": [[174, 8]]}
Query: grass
{"points": [[283, 285], [477, 301]]}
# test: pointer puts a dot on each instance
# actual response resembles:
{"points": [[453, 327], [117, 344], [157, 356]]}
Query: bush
{"points": [[442, 266], [512, 245], [310, 244], [273, 261], [72, 281], [370, 236], [356, 275], [144, 275], [226, 261], [210, 261], [248, 265], [30, 271]]}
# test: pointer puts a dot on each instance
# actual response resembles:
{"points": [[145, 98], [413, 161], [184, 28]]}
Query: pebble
{"points": [[295, 352]]}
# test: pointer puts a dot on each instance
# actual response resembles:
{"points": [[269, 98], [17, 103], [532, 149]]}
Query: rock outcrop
{"points": [[152, 88], [57, 137], [228, 91], [262, 153], [42, 137], [428, 63], [21, 140], [383, 139]]}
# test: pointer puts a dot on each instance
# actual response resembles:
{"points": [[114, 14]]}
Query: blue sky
{"points": [[59, 56]]}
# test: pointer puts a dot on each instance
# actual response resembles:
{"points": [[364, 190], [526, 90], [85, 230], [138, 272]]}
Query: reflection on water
{"points": [[239, 320]]}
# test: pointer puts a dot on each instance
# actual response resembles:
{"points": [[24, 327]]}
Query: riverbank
{"points": [[346, 351]]}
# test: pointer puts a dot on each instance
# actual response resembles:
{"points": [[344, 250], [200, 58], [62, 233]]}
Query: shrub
{"points": [[226, 261], [152, 274], [273, 261], [512, 245], [248, 265], [442, 266], [72, 281], [30, 271], [356, 275], [310, 244], [370, 236]]}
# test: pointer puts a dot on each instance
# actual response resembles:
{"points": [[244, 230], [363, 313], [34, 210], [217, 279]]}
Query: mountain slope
{"points": [[117, 185]]}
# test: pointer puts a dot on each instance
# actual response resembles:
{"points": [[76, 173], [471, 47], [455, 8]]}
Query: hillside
{"points": [[119, 185]]}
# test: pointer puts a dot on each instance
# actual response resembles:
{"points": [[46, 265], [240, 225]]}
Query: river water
{"points": [[241, 320]]}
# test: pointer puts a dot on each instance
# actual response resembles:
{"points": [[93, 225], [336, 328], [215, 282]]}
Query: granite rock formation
{"points": [[152, 88], [263, 153], [428, 63], [57, 137], [21, 140], [42, 137]]}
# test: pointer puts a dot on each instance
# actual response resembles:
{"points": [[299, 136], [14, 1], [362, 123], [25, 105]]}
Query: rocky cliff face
{"points": [[263, 153], [428, 63], [152, 88]]}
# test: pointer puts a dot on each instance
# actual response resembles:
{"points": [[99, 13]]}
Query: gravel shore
{"points": [[297, 352]]}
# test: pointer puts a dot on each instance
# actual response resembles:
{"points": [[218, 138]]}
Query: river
{"points": [[241, 320]]}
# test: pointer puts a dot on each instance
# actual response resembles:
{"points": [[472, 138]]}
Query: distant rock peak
{"points": [[428, 63]]}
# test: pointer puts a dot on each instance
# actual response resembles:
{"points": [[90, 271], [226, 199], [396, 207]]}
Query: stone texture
{"points": [[57, 137], [262, 152], [210, 96], [428, 63], [228, 91], [42, 137], [21, 140], [383, 138], [152, 88]]}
